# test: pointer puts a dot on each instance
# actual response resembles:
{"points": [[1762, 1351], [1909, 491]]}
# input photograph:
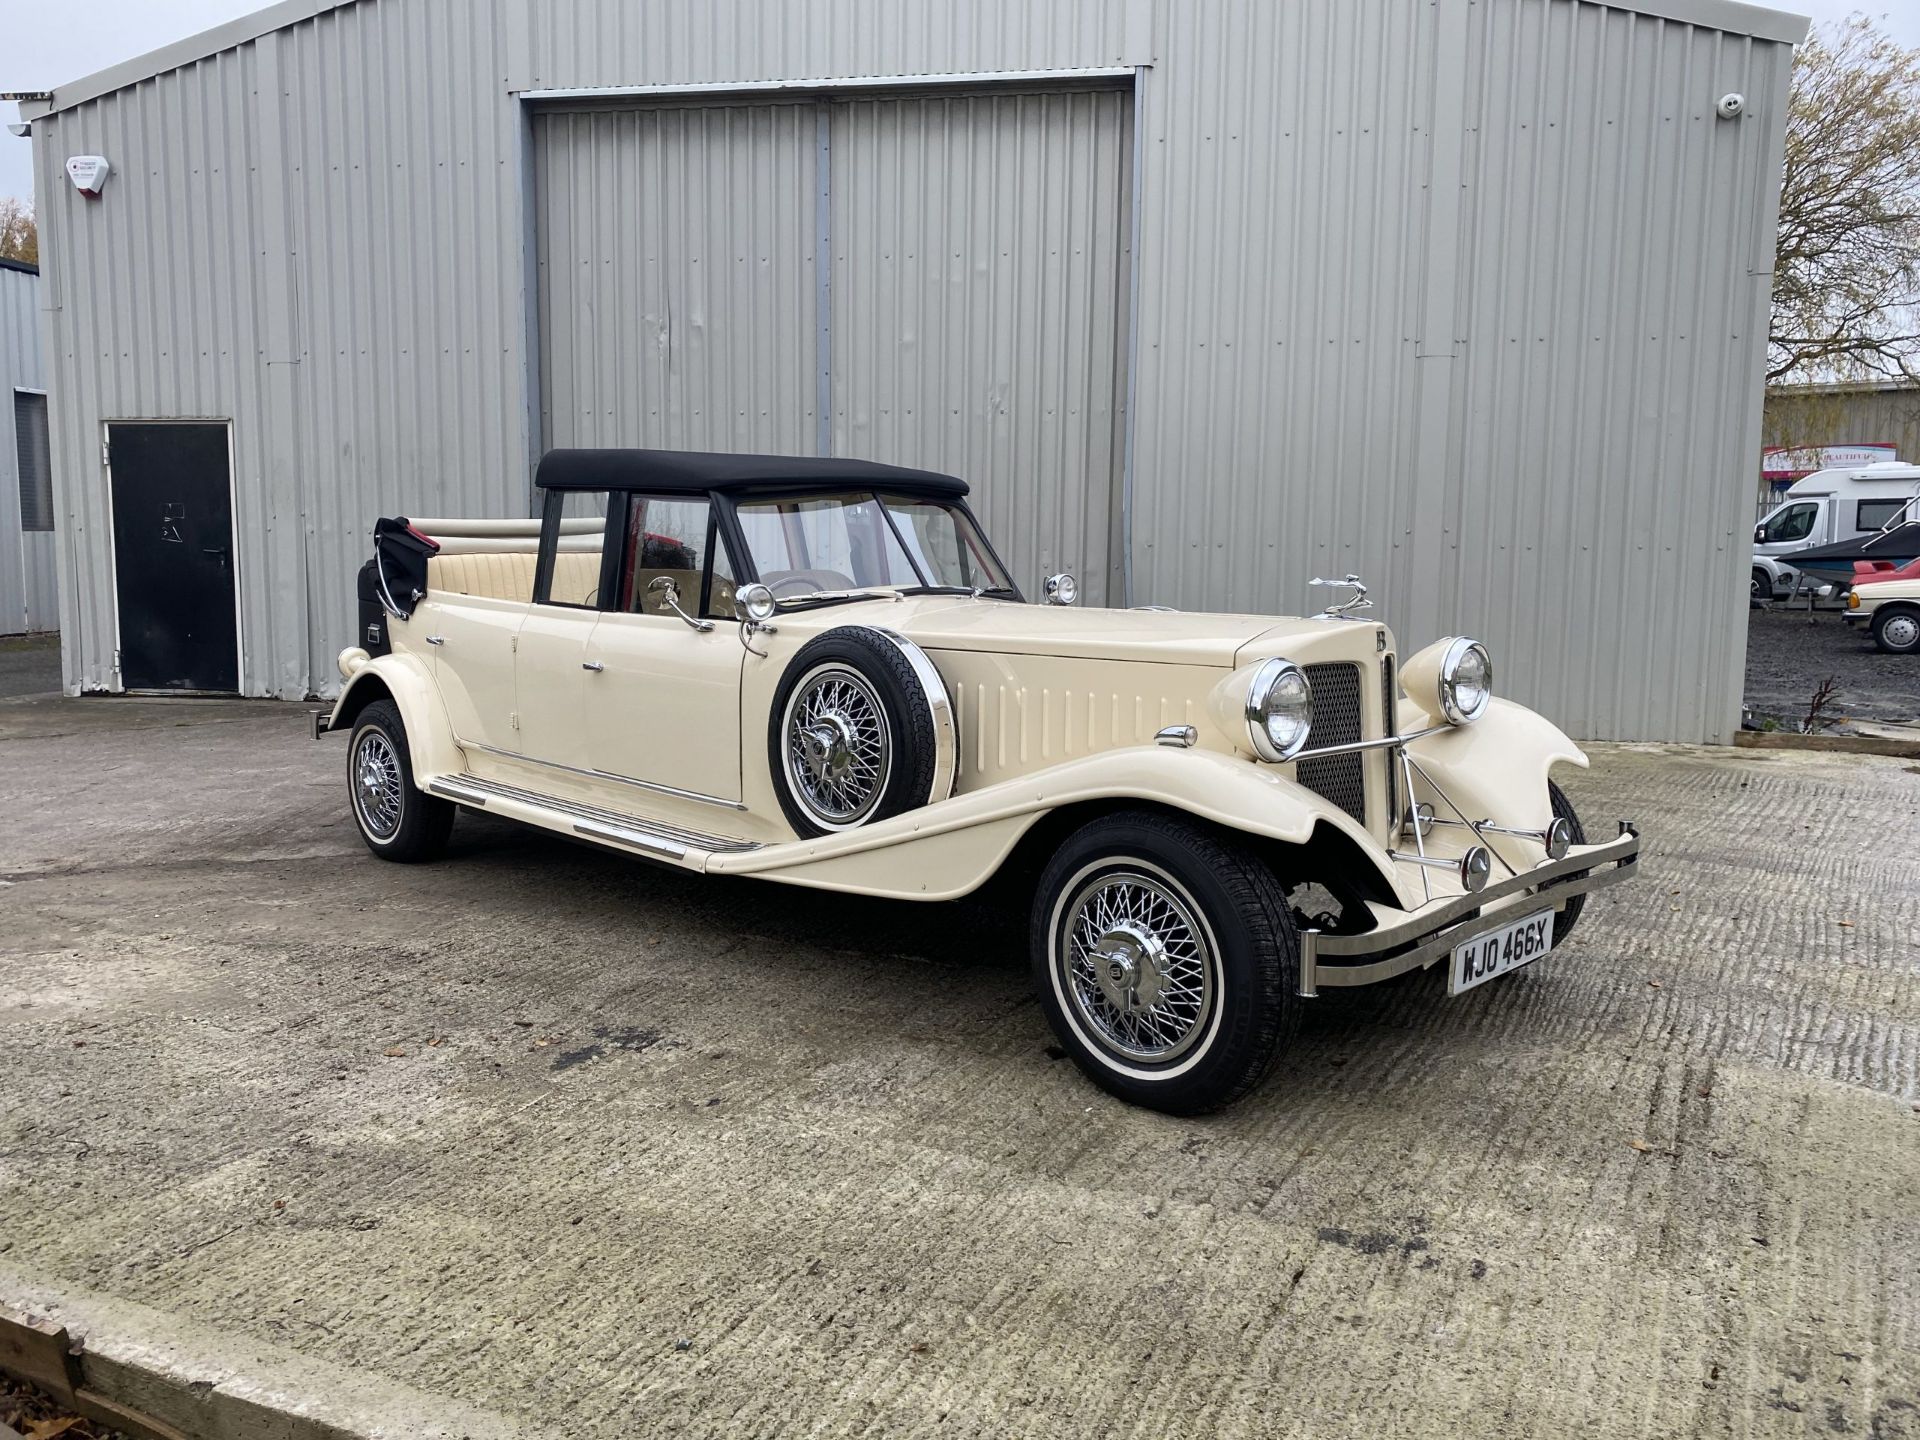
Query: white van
{"points": [[1826, 506]]}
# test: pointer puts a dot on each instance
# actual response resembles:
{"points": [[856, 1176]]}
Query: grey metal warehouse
{"points": [[28, 597], [1206, 297]]}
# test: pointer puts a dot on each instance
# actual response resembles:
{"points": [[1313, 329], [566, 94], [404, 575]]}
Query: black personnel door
{"points": [[173, 556]]}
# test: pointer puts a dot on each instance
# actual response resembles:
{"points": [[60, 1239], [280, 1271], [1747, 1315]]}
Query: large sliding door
{"points": [[978, 270], [945, 274], [676, 277]]}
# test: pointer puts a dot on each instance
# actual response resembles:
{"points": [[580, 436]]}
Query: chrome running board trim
{"points": [[622, 835], [599, 824], [457, 792]]}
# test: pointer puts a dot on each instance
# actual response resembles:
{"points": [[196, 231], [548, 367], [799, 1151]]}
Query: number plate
{"points": [[1498, 952]]}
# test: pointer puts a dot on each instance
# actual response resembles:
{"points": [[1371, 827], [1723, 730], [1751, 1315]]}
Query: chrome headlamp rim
{"points": [[1259, 690], [1457, 714]]}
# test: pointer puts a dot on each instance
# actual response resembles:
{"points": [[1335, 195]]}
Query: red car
{"points": [[1872, 572]]}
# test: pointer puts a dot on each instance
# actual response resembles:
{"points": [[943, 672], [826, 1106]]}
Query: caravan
{"points": [[1826, 507]]}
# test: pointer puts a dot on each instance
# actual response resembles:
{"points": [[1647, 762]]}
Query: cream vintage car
{"points": [[1890, 609], [818, 671]]}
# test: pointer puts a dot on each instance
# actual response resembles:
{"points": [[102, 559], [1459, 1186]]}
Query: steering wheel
{"points": [[811, 582]]}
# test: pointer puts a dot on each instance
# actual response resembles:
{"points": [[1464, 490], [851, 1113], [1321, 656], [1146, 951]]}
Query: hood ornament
{"points": [[1344, 609]]}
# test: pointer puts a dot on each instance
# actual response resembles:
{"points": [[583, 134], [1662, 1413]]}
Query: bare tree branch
{"points": [[1846, 274]]}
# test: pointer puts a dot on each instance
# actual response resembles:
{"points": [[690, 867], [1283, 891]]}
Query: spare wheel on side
{"points": [[861, 730]]}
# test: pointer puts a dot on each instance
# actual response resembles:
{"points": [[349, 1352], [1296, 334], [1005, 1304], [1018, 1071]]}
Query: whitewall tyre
{"points": [[398, 820], [861, 729], [1166, 959]]}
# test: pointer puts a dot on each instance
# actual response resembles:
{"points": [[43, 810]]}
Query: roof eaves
{"points": [[180, 53]]}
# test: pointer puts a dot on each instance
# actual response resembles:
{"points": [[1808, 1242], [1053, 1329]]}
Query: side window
{"points": [[1874, 514], [1793, 523], [570, 558], [672, 540]]}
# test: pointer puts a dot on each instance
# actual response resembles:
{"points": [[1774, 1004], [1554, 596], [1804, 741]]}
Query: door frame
{"points": [[233, 527]]}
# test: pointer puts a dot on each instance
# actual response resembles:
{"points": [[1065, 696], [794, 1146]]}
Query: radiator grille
{"points": [[1336, 721]]}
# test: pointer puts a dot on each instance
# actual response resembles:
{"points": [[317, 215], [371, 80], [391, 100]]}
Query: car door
{"points": [[662, 691], [551, 648]]}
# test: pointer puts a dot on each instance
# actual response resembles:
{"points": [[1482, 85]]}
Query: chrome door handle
{"points": [[436, 639], [593, 665]]}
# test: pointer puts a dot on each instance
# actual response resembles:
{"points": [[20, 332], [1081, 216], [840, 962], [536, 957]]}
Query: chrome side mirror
{"points": [[669, 593], [1060, 589]]}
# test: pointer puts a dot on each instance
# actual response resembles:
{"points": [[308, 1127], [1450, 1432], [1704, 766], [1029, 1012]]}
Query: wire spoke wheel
{"points": [[378, 799], [837, 746], [1137, 965]]}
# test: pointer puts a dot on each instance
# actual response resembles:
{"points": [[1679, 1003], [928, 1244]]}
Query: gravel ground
{"points": [[1790, 652], [610, 1150]]}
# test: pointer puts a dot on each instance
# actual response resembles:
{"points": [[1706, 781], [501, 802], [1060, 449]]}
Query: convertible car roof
{"points": [[698, 471]]}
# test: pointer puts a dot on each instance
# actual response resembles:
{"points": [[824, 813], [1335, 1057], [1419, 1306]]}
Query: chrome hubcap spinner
{"points": [[1138, 966]]}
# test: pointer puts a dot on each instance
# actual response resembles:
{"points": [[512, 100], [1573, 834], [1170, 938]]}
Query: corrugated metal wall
{"points": [[1465, 294], [979, 289], [976, 248], [29, 596], [677, 277]]}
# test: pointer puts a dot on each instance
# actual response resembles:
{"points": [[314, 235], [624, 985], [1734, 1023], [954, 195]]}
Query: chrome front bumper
{"points": [[1433, 930]]}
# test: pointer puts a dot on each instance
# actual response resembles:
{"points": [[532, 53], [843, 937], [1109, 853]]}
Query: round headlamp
{"points": [[1466, 682], [1279, 710]]}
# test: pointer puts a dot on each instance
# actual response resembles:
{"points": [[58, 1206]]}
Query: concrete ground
{"points": [[605, 1150], [29, 665]]}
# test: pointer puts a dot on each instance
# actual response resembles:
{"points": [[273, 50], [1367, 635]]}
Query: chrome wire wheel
{"points": [[836, 746], [375, 774], [1135, 964]]}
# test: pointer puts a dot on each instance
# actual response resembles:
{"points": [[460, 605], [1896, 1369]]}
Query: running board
{"points": [[590, 822]]}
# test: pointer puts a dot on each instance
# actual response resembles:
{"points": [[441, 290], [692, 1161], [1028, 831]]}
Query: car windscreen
{"points": [[858, 540]]}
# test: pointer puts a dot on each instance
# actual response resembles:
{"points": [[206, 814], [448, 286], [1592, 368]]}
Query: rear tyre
{"points": [[397, 819], [1896, 629], [1568, 916], [1166, 959]]}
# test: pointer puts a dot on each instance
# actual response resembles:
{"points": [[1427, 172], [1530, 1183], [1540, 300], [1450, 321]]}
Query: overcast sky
{"points": [[44, 43]]}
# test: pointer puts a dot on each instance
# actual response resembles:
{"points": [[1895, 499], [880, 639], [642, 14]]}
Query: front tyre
{"points": [[1896, 629], [397, 819], [1166, 959], [1568, 915]]}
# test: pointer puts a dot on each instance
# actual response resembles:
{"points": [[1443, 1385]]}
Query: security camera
{"points": [[1732, 106], [22, 128]]}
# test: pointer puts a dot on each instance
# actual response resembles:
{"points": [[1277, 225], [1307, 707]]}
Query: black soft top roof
{"points": [[698, 471]]}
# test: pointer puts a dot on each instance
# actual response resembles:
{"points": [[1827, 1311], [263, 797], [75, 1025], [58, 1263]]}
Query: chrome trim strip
{"points": [[657, 788], [1385, 742], [610, 819], [638, 839], [457, 792], [946, 743], [1439, 927]]}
